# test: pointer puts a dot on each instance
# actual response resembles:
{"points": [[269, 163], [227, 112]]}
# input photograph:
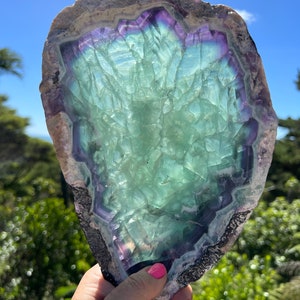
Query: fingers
{"points": [[143, 285], [92, 286], [184, 294]]}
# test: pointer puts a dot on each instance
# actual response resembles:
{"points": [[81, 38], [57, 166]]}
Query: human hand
{"points": [[143, 285]]}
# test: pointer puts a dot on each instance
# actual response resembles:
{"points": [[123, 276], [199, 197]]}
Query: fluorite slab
{"points": [[162, 122]]}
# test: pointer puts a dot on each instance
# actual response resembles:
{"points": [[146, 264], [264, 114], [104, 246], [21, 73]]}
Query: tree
{"points": [[12, 134], [24, 161], [284, 174], [42, 249], [10, 62], [297, 82]]}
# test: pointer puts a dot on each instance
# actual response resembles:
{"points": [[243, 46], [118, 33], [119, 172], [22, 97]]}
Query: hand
{"points": [[143, 285]]}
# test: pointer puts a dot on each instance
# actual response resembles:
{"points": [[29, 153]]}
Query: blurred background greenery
{"points": [[43, 252]]}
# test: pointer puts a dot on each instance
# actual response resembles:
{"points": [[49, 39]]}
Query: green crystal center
{"points": [[158, 121]]}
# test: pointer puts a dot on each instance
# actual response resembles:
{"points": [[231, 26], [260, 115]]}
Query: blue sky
{"points": [[275, 29]]}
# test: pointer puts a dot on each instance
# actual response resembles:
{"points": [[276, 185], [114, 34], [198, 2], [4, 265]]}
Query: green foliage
{"points": [[237, 278], [273, 230], [287, 291], [286, 164], [297, 82], [28, 166], [10, 62], [290, 269], [270, 238], [42, 249], [12, 134], [43, 252]]}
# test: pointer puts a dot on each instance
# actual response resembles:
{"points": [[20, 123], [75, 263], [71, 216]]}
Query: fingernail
{"points": [[157, 271]]}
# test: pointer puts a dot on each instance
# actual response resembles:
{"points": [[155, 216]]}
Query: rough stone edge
{"points": [[83, 207], [258, 91], [213, 253]]}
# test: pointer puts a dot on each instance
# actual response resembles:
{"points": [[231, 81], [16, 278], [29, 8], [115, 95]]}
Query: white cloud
{"points": [[246, 15]]}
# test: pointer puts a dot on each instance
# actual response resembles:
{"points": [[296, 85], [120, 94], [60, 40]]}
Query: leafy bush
{"points": [[273, 230], [287, 291], [237, 278], [41, 250], [270, 238]]}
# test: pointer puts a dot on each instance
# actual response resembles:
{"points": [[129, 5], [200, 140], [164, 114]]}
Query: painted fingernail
{"points": [[157, 271]]}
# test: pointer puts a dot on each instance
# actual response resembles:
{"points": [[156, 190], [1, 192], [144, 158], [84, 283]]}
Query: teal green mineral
{"points": [[158, 122], [161, 118]]}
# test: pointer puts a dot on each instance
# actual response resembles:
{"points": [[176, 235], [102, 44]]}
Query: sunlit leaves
{"points": [[270, 238], [274, 230], [44, 247], [237, 278]]}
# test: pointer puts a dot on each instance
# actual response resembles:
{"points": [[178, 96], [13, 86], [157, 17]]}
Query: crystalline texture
{"points": [[163, 127], [154, 138]]}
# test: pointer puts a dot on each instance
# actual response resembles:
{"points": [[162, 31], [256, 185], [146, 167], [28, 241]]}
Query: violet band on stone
{"points": [[163, 126]]}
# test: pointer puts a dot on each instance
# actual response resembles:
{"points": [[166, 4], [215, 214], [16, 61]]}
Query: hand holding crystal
{"points": [[143, 285]]}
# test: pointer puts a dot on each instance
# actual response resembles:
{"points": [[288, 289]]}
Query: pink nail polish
{"points": [[157, 271]]}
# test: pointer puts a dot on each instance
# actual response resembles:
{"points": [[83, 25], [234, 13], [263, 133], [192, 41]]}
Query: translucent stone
{"points": [[163, 125]]}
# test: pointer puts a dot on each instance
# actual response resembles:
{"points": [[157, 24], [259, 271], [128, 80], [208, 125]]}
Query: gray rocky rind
{"points": [[83, 204], [213, 253]]}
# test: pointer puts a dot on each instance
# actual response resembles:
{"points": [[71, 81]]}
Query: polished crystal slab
{"points": [[163, 126]]}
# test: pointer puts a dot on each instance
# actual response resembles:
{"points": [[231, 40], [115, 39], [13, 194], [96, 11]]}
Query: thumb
{"points": [[143, 285]]}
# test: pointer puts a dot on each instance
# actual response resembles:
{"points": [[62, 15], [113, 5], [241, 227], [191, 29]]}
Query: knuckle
{"points": [[137, 283]]}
